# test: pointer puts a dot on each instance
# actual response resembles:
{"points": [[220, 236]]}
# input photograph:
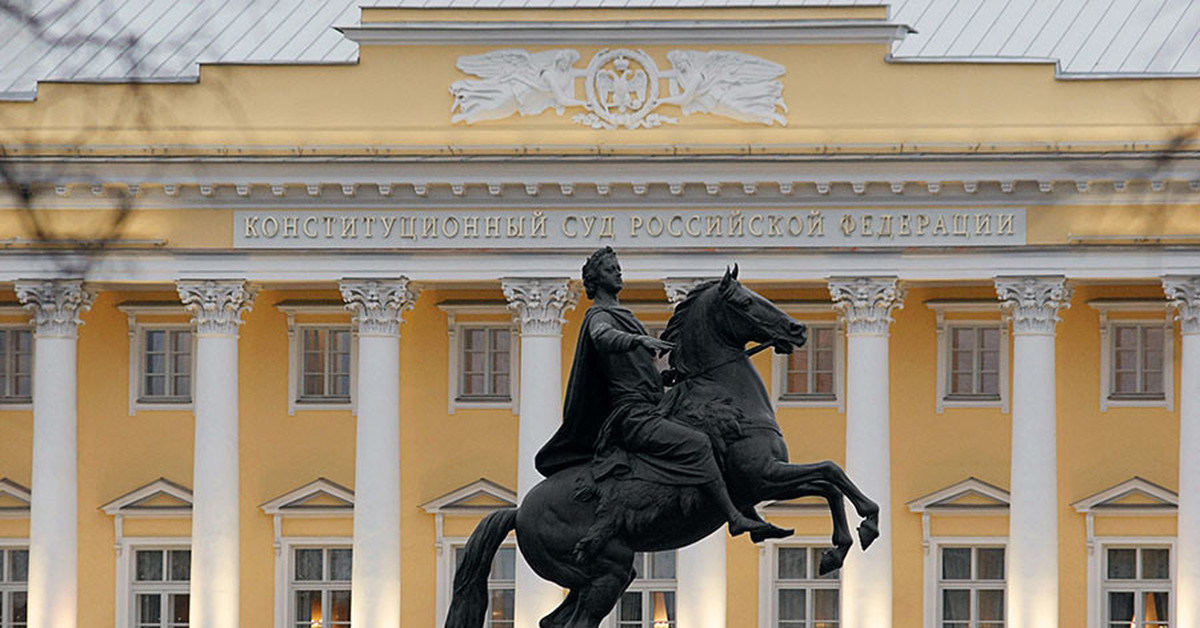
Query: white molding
{"points": [[1104, 306], [943, 306], [453, 328], [767, 610], [942, 500], [125, 547], [454, 502], [18, 492], [931, 564], [131, 504], [645, 32], [292, 503], [1165, 501], [132, 310], [29, 326], [283, 560], [292, 309], [1095, 567]]}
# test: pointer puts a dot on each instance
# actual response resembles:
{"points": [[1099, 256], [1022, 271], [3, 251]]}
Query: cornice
{"points": [[645, 32]]}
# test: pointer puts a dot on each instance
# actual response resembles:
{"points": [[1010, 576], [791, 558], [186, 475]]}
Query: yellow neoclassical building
{"points": [[278, 333]]}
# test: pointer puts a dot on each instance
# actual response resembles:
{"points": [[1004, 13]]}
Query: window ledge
{"points": [[16, 405], [154, 404], [813, 401], [324, 404]]}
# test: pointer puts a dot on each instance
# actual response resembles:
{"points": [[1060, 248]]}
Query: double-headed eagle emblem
{"points": [[621, 87]]}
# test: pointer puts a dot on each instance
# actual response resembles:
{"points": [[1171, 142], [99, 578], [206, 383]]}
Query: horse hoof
{"points": [[831, 560], [868, 531], [768, 531]]}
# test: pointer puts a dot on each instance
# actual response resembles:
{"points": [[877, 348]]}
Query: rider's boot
{"points": [[739, 523]]}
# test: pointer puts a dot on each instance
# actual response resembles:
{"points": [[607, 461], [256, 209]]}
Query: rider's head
{"points": [[592, 269]]}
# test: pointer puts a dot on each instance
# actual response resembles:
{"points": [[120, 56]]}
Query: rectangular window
{"points": [[166, 365], [502, 586], [971, 587], [974, 372], [320, 587], [484, 364], [1137, 587], [1137, 361], [325, 364], [802, 598], [14, 577], [810, 371], [160, 588], [649, 602], [16, 365]]}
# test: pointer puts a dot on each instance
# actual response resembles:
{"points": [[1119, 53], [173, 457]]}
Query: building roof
{"points": [[166, 40]]}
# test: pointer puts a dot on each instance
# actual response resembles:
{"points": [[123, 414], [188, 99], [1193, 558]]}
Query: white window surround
{"points": [[12, 544], [768, 611], [644, 585], [319, 499], [1136, 497], [17, 310], [1155, 312], [814, 313], [132, 311], [943, 306], [285, 551], [475, 500], [14, 500], [161, 498], [293, 309], [455, 309], [970, 497]]}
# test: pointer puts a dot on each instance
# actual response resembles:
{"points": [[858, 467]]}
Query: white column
{"points": [[53, 569], [378, 306], [1032, 303], [538, 306], [1184, 294], [700, 597], [216, 308], [866, 305]]}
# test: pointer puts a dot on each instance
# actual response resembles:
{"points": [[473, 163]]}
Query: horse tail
{"points": [[469, 604]]}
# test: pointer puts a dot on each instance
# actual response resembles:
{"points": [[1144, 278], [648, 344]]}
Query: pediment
{"points": [[1135, 495], [14, 499], [321, 497], [160, 498], [479, 497], [969, 495]]}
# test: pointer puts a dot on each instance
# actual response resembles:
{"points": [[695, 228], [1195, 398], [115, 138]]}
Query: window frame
{"points": [[1134, 313], [973, 584], [308, 311], [498, 399], [20, 403], [769, 581], [128, 587], [1098, 581], [306, 401], [970, 314], [447, 551], [288, 547], [485, 314], [812, 314], [167, 315], [165, 402], [933, 568], [645, 586], [7, 588]]}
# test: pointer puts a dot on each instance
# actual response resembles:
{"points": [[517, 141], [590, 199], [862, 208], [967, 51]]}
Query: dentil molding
{"points": [[1033, 302], [378, 304], [56, 305], [866, 303], [1183, 294], [216, 306], [538, 304]]}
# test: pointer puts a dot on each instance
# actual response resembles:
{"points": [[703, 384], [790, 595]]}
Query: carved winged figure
{"points": [[626, 87], [726, 83], [514, 81]]}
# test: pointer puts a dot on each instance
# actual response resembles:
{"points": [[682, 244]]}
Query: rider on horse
{"points": [[611, 415]]}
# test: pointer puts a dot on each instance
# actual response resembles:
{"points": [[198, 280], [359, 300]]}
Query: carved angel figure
{"points": [[725, 83], [514, 81]]}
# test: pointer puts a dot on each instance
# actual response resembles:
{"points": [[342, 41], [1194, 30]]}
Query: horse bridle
{"points": [[671, 377]]}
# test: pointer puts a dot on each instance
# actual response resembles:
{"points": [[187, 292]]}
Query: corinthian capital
{"points": [[677, 288], [216, 305], [866, 302], [56, 304], [538, 305], [1033, 302], [378, 304], [1183, 294]]}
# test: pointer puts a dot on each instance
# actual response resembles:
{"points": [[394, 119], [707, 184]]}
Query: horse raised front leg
{"points": [[784, 476]]}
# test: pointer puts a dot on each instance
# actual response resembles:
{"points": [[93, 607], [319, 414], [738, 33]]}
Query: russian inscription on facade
{"points": [[508, 229]]}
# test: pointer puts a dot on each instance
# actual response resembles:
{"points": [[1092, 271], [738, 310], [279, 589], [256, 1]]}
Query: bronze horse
{"points": [[717, 390]]}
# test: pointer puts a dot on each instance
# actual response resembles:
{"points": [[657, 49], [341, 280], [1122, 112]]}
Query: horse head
{"points": [[752, 318]]}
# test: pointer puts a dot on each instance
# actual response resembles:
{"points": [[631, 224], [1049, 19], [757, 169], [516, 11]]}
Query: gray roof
{"points": [[165, 40]]}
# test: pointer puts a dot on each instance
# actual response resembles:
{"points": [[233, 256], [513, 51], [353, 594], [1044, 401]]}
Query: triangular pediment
{"points": [[971, 494], [480, 496], [14, 499], [321, 497], [161, 497], [1136, 495]]}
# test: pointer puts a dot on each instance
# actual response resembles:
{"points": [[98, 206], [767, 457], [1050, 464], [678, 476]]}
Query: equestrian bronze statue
{"points": [[634, 469]]}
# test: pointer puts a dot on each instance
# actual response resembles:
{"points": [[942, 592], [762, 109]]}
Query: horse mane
{"points": [[680, 317]]}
